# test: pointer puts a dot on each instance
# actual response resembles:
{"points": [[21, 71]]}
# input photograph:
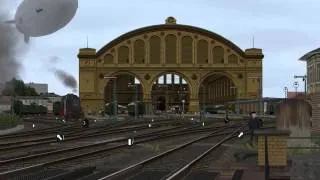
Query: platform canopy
{"points": [[309, 54]]}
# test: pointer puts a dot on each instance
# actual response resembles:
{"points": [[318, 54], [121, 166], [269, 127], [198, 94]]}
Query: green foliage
{"points": [[9, 121], [20, 109], [56, 108], [18, 88], [303, 151], [17, 107], [247, 146]]}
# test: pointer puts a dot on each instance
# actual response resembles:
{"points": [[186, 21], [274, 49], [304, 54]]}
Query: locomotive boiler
{"points": [[69, 107]]}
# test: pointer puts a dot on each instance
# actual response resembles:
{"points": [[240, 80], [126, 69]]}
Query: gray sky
{"points": [[284, 29]]}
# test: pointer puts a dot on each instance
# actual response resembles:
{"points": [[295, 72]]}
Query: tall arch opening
{"points": [[170, 94], [215, 91], [124, 89]]}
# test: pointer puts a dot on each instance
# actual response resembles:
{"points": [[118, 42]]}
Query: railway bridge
{"points": [[169, 65]]}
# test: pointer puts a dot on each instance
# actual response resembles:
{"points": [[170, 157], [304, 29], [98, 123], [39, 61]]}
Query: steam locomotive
{"points": [[69, 107]]}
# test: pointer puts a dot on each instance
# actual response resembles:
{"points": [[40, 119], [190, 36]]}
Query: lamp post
{"points": [[304, 79], [296, 85], [135, 86], [201, 85], [114, 99], [183, 101], [235, 95], [266, 159], [202, 112], [285, 92], [260, 105], [166, 97]]}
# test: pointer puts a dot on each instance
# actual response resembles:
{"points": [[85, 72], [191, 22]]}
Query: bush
{"points": [[56, 108], [20, 109], [8, 121]]}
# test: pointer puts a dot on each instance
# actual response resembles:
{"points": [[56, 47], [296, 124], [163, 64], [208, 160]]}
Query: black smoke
{"points": [[65, 78], [11, 46]]}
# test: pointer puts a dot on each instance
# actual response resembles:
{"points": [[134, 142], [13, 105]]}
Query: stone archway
{"points": [[128, 89], [170, 92], [122, 88], [217, 88]]}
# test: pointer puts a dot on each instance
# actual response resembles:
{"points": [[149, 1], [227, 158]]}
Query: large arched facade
{"points": [[213, 68]]}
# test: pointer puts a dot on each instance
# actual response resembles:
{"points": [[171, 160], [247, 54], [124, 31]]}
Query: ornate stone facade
{"points": [[196, 54]]}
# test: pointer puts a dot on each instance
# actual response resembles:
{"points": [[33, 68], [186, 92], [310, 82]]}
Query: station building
{"points": [[168, 65], [312, 60]]}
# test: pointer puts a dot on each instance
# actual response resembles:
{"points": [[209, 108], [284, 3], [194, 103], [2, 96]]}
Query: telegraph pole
{"points": [[304, 79], [296, 85], [285, 92], [135, 86]]}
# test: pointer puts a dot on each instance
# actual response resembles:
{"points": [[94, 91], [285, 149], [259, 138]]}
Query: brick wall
{"points": [[277, 150], [315, 102]]}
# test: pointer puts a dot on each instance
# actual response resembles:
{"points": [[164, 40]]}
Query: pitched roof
{"points": [[49, 95], [309, 54]]}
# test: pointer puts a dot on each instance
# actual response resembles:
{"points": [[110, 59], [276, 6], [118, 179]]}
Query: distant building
{"points": [[47, 100], [52, 98], [40, 88], [5, 103], [28, 100], [265, 105]]}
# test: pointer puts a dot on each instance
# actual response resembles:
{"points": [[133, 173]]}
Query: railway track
{"points": [[68, 129], [51, 120], [172, 164], [101, 131], [103, 147], [86, 140]]}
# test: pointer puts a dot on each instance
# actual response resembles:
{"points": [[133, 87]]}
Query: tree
{"points": [[18, 107], [56, 108], [18, 88]]}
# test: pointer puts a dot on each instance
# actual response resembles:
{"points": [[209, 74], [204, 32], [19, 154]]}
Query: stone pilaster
{"points": [[315, 102], [194, 106], [149, 109]]}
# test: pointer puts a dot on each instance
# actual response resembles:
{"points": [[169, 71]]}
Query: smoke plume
{"points": [[11, 46], [54, 59], [67, 79]]}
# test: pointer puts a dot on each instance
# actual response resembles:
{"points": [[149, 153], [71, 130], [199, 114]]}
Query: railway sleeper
{"points": [[75, 174], [203, 175], [99, 174], [38, 174]]}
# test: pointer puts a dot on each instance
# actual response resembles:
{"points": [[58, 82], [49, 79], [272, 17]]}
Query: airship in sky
{"points": [[35, 18]]}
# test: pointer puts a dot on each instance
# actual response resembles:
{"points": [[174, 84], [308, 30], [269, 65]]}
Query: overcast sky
{"points": [[284, 29]]}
